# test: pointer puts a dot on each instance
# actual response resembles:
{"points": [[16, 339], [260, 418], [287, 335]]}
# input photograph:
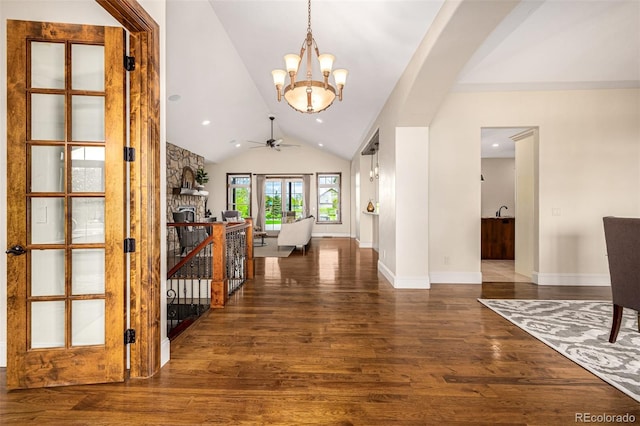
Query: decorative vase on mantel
{"points": [[370, 207]]}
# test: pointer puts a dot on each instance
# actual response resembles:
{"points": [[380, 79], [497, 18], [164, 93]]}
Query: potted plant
{"points": [[202, 177]]}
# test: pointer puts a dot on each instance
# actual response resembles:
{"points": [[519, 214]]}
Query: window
{"points": [[283, 199], [329, 205], [294, 199], [239, 193]]}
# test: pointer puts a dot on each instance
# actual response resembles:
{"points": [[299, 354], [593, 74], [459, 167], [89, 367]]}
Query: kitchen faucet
{"points": [[499, 212]]}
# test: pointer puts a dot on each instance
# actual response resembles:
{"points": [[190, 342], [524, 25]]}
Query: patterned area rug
{"points": [[579, 330], [271, 249]]}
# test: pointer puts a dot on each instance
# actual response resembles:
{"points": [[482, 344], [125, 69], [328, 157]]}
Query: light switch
{"points": [[555, 211]]}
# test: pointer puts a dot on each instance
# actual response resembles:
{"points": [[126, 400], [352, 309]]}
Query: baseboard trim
{"points": [[364, 245], [416, 283], [330, 235], [456, 277], [386, 272], [165, 351], [595, 280]]}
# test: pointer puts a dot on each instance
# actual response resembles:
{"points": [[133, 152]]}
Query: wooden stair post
{"points": [[250, 264], [219, 279]]}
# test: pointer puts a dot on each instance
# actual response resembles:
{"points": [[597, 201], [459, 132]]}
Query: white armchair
{"points": [[296, 233]]}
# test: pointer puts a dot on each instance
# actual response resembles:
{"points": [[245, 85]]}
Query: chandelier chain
{"points": [[309, 17]]}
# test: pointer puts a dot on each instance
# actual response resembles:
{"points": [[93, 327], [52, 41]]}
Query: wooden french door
{"points": [[65, 204]]}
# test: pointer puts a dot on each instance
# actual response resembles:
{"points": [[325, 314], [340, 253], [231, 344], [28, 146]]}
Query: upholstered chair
{"points": [[231, 216], [622, 237], [189, 237]]}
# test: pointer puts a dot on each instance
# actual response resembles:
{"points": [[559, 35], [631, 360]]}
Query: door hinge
{"points": [[129, 336], [129, 245], [129, 154], [129, 63]]}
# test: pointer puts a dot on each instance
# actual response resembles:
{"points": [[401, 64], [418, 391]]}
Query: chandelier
{"points": [[309, 95]]}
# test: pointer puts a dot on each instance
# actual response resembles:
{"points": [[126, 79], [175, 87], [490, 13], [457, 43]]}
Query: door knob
{"points": [[16, 250]]}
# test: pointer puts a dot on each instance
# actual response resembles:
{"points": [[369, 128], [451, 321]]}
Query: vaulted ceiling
{"points": [[220, 55]]}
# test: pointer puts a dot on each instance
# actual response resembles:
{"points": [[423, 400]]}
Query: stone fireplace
{"points": [[177, 159]]}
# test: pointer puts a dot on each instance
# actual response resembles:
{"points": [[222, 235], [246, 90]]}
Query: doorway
{"points": [[509, 199], [283, 199]]}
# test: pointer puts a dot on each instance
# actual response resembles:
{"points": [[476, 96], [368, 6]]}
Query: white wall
{"points": [[368, 191], [589, 167], [412, 208], [355, 200], [74, 12], [498, 188], [304, 159], [415, 100]]}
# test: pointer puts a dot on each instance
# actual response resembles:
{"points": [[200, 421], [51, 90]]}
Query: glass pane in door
{"points": [[273, 205], [47, 168], [47, 324], [47, 272], [87, 322], [47, 65], [294, 197], [47, 220], [87, 219], [87, 169], [47, 117], [87, 271], [87, 67], [87, 118]]}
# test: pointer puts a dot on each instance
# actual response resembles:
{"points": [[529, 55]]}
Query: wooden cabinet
{"points": [[498, 238]]}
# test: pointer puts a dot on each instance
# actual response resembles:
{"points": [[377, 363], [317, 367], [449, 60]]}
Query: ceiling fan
{"points": [[271, 142]]}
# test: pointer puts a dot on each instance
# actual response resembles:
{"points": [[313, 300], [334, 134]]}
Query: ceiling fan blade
{"points": [[277, 141], [259, 143], [288, 145], [254, 147]]}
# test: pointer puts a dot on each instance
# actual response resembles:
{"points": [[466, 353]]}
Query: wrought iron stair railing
{"points": [[206, 263]]}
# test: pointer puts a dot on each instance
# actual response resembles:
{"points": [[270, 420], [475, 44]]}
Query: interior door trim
{"points": [[144, 99]]}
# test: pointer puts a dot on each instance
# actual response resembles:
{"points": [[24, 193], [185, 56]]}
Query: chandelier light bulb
{"points": [[279, 77], [326, 63], [291, 62], [340, 76]]}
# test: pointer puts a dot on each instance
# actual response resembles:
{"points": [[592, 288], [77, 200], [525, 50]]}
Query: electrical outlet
{"points": [[555, 211]]}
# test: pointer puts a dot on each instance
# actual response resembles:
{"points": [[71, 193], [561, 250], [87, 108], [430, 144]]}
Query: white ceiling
{"points": [[220, 55], [496, 142]]}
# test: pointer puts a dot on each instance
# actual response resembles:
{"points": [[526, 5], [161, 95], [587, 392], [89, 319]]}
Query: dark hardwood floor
{"points": [[324, 339]]}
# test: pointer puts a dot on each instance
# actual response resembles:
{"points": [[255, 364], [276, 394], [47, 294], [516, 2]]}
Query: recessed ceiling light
{"points": [[238, 145], [206, 122], [495, 145], [319, 120], [320, 144], [174, 97]]}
